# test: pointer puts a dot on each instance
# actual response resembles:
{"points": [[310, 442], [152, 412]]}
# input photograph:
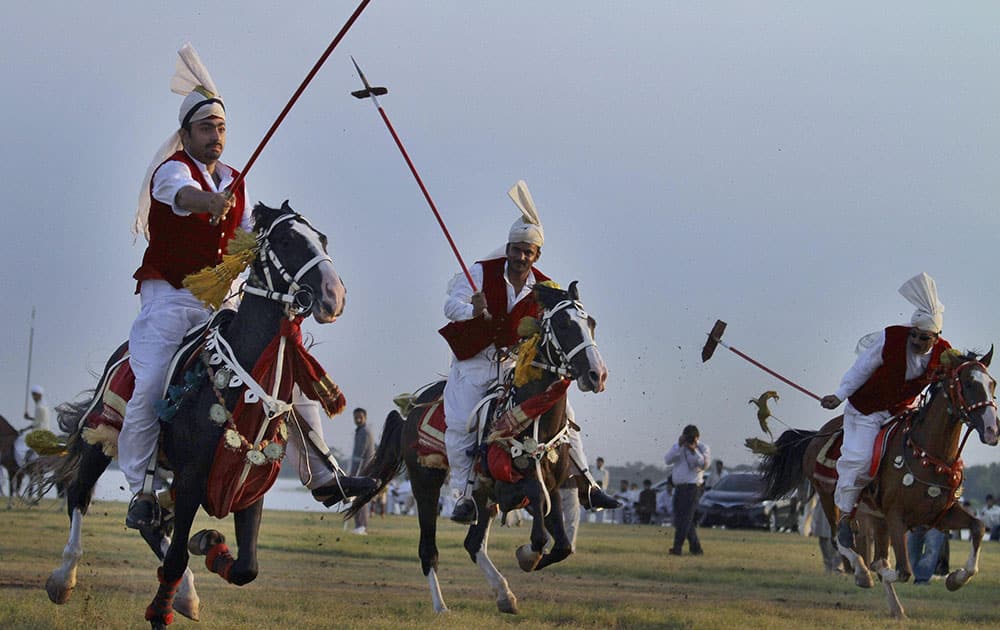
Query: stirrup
{"points": [[143, 512]]}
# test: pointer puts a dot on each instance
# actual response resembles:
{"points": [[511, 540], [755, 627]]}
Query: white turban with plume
{"points": [[527, 228], [192, 81], [921, 291], [37, 389]]}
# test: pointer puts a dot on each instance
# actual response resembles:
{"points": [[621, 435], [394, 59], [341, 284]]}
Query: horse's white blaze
{"points": [[991, 424], [331, 293], [436, 597]]}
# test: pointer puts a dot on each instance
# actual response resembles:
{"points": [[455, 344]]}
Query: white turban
{"points": [[921, 291], [528, 227], [192, 81], [37, 389]]}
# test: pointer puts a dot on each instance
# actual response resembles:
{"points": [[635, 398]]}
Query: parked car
{"points": [[735, 502]]}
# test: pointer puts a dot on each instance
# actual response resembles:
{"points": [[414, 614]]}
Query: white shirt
{"points": [[173, 175], [870, 360], [990, 516], [458, 307], [41, 419], [689, 467]]}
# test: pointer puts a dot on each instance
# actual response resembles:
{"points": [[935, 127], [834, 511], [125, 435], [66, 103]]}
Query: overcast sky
{"points": [[783, 166]]}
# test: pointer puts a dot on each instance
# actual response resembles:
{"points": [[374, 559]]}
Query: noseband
{"points": [[557, 360], [298, 299]]}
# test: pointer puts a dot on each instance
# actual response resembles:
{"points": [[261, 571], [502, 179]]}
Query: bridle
{"points": [[297, 299], [958, 409], [557, 360]]}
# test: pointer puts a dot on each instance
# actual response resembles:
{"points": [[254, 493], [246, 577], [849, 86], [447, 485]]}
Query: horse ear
{"points": [[285, 207], [574, 293], [987, 357]]}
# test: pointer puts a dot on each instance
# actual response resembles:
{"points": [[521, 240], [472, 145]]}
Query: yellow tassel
{"points": [[528, 327], [45, 442], [524, 372], [951, 357], [552, 284], [211, 285]]}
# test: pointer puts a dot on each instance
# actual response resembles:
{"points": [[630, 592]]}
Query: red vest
{"points": [[178, 245], [470, 337], [887, 387]]}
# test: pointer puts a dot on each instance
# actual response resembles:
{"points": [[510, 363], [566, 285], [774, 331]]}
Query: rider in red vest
{"points": [[887, 377], [481, 325], [189, 215]]}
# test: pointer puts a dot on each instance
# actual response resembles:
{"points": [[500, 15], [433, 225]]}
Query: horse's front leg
{"points": [[186, 601], [561, 546], [957, 518], [160, 612], [506, 601], [528, 556]]}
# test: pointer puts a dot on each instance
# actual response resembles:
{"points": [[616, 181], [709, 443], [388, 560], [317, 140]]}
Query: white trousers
{"points": [[463, 390], [860, 432], [315, 470], [166, 315]]}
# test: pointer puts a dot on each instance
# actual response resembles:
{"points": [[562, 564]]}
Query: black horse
{"points": [[291, 276], [565, 352]]}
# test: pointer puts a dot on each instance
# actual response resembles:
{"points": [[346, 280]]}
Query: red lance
{"points": [[298, 92], [373, 93]]}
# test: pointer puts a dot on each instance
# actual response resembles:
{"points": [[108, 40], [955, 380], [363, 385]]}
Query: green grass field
{"points": [[313, 574]]}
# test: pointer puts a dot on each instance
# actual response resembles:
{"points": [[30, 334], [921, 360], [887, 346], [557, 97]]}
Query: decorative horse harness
{"points": [[958, 409]]}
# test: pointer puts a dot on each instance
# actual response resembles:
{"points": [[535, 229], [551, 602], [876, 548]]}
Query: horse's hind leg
{"points": [[61, 582], [426, 484]]}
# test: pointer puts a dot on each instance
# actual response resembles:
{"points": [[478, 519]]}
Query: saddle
{"points": [[826, 459], [102, 421]]}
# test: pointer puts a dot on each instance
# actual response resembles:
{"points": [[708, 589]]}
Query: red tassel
{"points": [[162, 606], [219, 560]]}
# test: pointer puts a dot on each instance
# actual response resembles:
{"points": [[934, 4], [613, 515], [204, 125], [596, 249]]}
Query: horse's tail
{"points": [[70, 416], [783, 468], [387, 462]]}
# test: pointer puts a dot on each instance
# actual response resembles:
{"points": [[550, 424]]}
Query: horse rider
{"points": [[188, 216], [892, 369], [483, 325], [39, 422]]}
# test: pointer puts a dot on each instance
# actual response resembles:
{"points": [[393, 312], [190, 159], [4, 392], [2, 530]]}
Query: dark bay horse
{"points": [[566, 351], [920, 476], [291, 276], [8, 461]]}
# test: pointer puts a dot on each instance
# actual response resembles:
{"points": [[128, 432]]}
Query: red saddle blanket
{"points": [[430, 446]]}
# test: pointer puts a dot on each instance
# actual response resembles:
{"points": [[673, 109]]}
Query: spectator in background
{"points": [[646, 506], [924, 546], [622, 515], [603, 478], [364, 450], [664, 503], [989, 514], [690, 459]]}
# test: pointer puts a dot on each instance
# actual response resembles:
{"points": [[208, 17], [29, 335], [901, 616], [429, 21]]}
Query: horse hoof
{"points": [[188, 608], [527, 559], [864, 580], [508, 605], [956, 580], [200, 543], [57, 590]]}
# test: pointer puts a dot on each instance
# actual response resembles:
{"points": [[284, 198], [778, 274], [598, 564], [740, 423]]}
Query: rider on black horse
{"points": [[484, 325], [189, 215]]}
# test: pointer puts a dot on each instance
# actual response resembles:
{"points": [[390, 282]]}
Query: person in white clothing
{"points": [[483, 325], [39, 421], [188, 213], [893, 367]]}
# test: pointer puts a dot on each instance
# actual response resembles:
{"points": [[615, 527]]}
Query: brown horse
{"points": [[8, 435], [566, 352], [920, 476]]}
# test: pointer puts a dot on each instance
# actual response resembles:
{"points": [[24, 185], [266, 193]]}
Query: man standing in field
{"points": [[364, 450]]}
